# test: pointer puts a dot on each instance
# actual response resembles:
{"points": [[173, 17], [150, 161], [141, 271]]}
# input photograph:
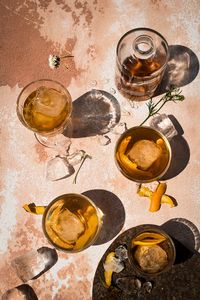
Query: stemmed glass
{"points": [[44, 106]]}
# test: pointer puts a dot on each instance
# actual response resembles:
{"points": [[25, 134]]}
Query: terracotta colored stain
{"points": [[89, 30], [62, 273], [41, 152], [23, 41]]}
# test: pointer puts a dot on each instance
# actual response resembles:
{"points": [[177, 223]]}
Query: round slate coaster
{"points": [[181, 282]]}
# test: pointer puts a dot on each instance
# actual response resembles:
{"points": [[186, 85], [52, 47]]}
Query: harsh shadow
{"points": [[182, 68], [27, 291], [180, 152], [50, 258], [184, 232], [94, 113], [182, 253], [114, 214], [23, 291]]}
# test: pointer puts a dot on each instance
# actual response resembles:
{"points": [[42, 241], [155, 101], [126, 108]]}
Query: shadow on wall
{"points": [[182, 68], [113, 211]]}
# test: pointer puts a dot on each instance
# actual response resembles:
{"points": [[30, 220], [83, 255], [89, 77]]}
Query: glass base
{"points": [[58, 142]]}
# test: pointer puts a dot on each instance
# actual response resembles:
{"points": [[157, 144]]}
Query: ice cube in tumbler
{"points": [[68, 226], [34, 263]]}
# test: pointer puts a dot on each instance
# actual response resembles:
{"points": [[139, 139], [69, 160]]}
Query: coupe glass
{"points": [[44, 106]]}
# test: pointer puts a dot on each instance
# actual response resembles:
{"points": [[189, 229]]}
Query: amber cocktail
{"points": [[71, 222], [152, 251], [44, 106], [143, 154]]}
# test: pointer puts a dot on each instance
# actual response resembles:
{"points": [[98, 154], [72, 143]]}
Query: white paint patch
{"points": [[188, 20], [8, 209], [56, 24], [53, 276]]}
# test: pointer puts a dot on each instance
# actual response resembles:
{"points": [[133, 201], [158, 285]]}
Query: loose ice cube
{"points": [[22, 292], [58, 168], [163, 124], [121, 252], [34, 263], [67, 225], [119, 128], [104, 140], [76, 157], [115, 265]]}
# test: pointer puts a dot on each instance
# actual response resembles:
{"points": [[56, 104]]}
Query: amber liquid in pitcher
{"points": [[131, 79]]}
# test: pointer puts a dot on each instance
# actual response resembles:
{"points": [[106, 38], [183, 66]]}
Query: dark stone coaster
{"points": [[181, 282]]}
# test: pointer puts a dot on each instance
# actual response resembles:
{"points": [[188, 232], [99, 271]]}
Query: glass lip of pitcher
{"points": [[150, 31]]}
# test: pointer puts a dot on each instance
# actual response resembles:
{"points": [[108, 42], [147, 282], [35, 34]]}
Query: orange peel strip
{"points": [[149, 242], [32, 208], [108, 274], [146, 192], [156, 197]]}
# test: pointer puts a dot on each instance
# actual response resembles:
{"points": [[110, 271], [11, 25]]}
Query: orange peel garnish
{"points": [[146, 192]]}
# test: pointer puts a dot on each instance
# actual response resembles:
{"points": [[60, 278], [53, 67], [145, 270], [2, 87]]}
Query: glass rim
{"points": [[149, 30], [32, 83], [157, 229], [144, 180], [60, 198]]}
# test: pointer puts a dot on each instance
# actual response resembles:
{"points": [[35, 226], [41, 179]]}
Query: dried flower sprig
{"points": [[55, 60], [85, 155], [174, 94]]}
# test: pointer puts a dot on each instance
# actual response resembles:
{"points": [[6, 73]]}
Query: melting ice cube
{"points": [[22, 292], [58, 168], [119, 128], [103, 140], [34, 263], [163, 124], [115, 265], [76, 157], [121, 252]]}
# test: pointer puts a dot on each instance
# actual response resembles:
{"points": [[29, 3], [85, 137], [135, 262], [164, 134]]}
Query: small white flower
{"points": [[54, 61]]}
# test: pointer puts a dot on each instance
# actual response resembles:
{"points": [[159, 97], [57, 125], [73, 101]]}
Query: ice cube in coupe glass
{"points": [[49, 102]]}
